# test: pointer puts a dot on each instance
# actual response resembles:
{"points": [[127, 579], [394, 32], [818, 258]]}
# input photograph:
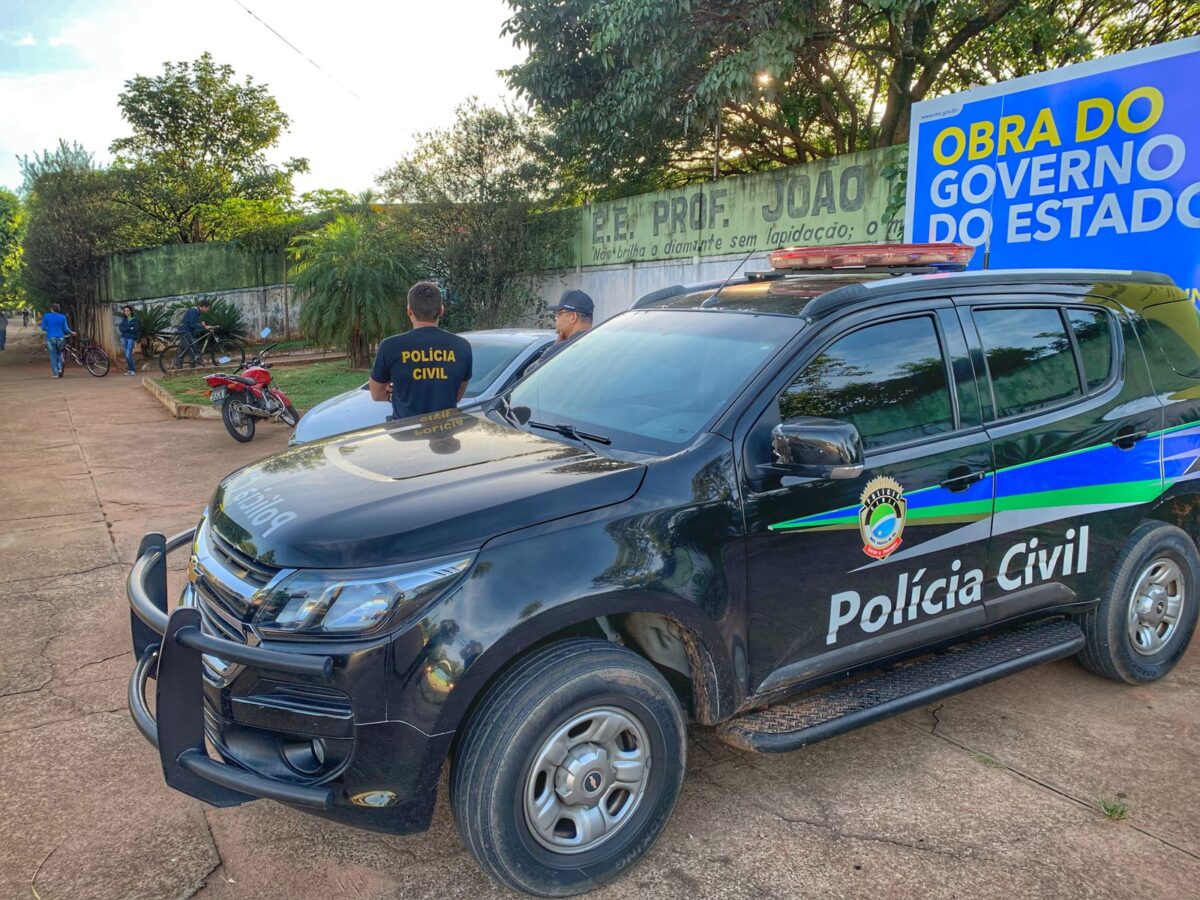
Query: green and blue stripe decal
{"points": [[1098, 476]]}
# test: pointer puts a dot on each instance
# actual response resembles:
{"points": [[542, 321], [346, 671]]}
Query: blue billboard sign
{"points": [[1095, 165]]}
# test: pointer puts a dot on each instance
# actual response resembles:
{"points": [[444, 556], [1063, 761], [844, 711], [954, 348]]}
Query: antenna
{"points": [[987, 251], [712, 301]]}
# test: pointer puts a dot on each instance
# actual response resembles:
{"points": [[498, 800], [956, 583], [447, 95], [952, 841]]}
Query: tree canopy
{"points": [[481, 195], [73, 219], [12, 227], [197, 153], [634, 88]]}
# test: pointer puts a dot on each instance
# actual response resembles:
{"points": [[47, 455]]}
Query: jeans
{"points": [[3, 336], [127, 345], [187, 349], [55, 346]]}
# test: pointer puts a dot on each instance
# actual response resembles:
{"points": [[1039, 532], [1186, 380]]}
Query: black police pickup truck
{"points": [[817, 497]]}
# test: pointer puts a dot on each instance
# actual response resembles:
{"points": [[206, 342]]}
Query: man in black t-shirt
{"points": [[425, 369]]}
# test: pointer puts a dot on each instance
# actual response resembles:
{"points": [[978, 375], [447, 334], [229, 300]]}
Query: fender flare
{"points": [[712, 674]]}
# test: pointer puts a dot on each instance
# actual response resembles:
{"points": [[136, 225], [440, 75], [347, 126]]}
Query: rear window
{"points": [[1029, 358], [1093, 334], [1176, 328]]}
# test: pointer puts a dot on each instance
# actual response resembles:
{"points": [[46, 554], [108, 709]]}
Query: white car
{"points": [[499, 358]]}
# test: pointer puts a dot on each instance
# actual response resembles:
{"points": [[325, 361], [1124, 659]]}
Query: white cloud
{"points": [[410, 64]]}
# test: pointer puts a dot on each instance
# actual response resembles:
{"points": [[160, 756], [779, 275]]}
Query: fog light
{"points": [[375, 799], [305, 757]]}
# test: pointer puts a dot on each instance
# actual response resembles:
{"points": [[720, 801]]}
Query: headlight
{"points": [[353, 601]]}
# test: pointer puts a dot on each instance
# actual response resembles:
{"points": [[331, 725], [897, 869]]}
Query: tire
{"points": [[167, 360], [1136, 643], [227, 347], [96, 361], [570, 692], [239, 426], [290, 417]]}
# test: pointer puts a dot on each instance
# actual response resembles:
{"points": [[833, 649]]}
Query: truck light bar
{"points": [[846, 256]]}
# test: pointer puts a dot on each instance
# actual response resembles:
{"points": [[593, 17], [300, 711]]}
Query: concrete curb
{"points": [[176, 408]]}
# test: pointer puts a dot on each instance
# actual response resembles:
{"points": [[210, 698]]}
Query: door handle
{"points": [[963, 480], [1127, 437]]}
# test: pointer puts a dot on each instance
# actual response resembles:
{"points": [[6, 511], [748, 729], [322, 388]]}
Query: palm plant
{"points": [[352, 276]]}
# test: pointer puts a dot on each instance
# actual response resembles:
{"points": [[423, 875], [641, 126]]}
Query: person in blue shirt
{"points": [[190, 328], [131, 331], [54, 323]]}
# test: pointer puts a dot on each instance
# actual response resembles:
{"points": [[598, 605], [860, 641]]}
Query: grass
{"points": [[1114, 810], [306, 386], [990, 761]]}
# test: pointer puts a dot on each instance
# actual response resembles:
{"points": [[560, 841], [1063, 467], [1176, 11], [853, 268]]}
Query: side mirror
{"points": [[265, 333], [816, 448]]}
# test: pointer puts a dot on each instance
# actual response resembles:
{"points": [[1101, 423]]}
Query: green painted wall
{"points": [[831, 201], [187, 269]]}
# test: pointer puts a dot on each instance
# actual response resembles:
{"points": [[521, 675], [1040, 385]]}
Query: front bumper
{"points": [[390, 760]]}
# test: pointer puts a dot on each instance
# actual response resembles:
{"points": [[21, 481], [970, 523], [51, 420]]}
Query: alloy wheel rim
{"points": [[1155, 606], [587, 780]]}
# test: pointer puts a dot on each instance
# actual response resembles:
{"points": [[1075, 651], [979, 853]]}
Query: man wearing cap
{"points": [[572, 320]]}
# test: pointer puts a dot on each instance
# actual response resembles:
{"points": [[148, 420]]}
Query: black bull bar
{"points": [[169, 648]]}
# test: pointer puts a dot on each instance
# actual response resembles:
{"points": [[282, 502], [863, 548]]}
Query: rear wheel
{"points": [[290, 417], [96, 361], [227, 347], [1148, 612], [569, 769], [239, 425]]}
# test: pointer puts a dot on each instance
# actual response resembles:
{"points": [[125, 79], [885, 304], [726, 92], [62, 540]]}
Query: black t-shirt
{"points": [[426, 367]]}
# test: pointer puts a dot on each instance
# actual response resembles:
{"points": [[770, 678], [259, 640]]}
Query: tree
{"points": [[73, 218], [199, 140], [12, 233], [482, 211], [634, 89], [353, 275]]}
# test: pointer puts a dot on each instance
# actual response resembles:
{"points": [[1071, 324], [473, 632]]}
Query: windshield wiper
{"points": [[572, 432]]}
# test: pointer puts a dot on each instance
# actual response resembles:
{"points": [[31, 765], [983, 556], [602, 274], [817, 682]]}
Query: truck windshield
{"points": [[649, 380]]}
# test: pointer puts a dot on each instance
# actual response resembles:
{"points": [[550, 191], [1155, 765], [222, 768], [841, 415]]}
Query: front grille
{"points": [[244, 566]]}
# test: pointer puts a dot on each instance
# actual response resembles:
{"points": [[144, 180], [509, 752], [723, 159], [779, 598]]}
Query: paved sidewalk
{"points": [[989, 794]]}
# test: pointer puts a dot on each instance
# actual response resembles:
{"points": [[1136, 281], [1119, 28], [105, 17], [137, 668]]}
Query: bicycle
{"points": [[209, 346], [84, 353]]}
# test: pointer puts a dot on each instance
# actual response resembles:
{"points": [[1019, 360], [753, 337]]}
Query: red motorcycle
{"points": [[246, 395]]}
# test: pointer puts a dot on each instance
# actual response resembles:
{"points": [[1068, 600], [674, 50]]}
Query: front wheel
{"points": [[1148, 611], [239, 425], [96, 361], [569, 769]]}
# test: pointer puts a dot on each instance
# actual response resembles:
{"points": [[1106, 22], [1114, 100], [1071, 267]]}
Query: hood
{"points": [[410, 490]]}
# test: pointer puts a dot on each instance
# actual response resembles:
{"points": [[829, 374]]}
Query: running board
{"points": [[814, 717]]}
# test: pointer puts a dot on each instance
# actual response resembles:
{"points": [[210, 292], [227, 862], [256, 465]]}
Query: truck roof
{"points": [[813, 294]]}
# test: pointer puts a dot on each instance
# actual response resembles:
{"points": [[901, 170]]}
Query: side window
{"points": [[889, 380], [1093, 334], [1029, 358]]}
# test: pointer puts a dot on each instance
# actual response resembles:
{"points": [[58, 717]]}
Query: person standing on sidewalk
{"points": [[25, 317], [425, 369], [191, 326], [131, 331], [3, 328], [54, 323]]}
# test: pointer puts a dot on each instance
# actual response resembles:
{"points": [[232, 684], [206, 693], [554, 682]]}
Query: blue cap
{"points": [[575, 301]]}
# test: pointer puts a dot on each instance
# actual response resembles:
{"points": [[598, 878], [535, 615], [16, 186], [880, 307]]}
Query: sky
{"points": [[389, 70]]}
